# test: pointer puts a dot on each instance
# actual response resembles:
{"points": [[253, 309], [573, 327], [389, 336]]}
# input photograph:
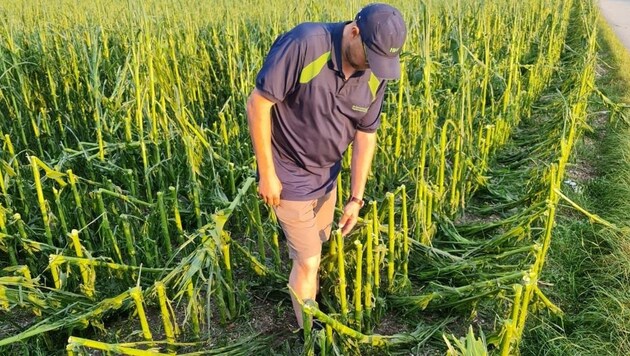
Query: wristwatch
{"points": [[361, 202]]}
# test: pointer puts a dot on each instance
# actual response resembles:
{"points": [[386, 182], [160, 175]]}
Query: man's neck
{"points": [[347, 69]]}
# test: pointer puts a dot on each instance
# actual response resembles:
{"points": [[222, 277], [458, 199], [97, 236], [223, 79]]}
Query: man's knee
{"points": [[308, 265]]}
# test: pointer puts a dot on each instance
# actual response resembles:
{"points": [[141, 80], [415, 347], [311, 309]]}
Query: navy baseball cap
{"points": [[383, 31]]}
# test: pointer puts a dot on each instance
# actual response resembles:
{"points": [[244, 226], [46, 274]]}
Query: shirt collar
{"points": [[337, 35]]}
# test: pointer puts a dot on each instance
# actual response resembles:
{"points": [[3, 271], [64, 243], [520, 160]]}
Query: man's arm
{"points": [[259, 120], [362, 152]]}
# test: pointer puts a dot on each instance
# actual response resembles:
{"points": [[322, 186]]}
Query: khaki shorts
{"points": [[306, 224]]}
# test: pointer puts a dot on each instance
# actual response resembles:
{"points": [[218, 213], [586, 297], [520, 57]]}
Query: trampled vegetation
{"points": [[127, 177]]}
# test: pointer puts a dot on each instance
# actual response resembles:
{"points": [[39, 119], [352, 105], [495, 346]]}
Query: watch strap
{"points": [[361, 202]]}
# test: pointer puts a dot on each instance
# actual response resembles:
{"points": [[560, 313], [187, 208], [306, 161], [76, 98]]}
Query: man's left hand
{"points": [[349, 217]]}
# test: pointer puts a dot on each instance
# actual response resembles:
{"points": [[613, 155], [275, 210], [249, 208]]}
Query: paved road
{"points": [[617, 12]]}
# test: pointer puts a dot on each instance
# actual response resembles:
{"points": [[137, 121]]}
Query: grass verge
{"points": [[589, 266]]}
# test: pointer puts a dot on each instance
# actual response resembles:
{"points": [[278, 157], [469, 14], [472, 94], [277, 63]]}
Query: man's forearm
{"points": [[362, 152], [259, 120]]}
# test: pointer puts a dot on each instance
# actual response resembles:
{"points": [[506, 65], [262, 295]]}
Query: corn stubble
{"points": [[126, 172]]}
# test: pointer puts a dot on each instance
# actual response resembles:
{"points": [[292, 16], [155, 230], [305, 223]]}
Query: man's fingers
{"points": [[347, 227], [343, 220], [346, 223], [271, 200]]}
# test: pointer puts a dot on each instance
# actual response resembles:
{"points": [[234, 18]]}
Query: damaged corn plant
{"points": [[127, 179]]}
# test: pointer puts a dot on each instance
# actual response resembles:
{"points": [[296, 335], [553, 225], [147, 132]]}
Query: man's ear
{"points": [[354, 31]]}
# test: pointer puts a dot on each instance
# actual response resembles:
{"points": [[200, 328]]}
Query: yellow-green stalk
{"points": [[22, 237], [41, 200], [225, 249], [169, 330], [76, 342], [53, 263], [132, 181], [399, 109], [307, 322], [442, 166], [341, 270], [332, 252], [375, 248], [329, 337], [99, 263], [323, 343], [126, 198], [177, 216], [369, 269], [136, 294], [25, 271], [529, 281], [427, 234], [5, 234], [231, 179], [259, 268], [3, 188], [60, 213], [164, 224], [391, 236], [552, 307], [107, 232], [454, 201], [339, 192], [405, 234], [377, 269], [129, 240], [358, 286], [78, 202], [197, 203], [88, 283], [16, 167], [139, 120], [276, 250], [510, 324], [310, 307], [218, 294], [259, 229], [192, 308]]}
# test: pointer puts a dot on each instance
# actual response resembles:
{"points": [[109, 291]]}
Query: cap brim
{"points": [[383, 67]]}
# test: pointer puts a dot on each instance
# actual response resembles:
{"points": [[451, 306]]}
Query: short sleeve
{"points": [[372, 119], [280, 71]]}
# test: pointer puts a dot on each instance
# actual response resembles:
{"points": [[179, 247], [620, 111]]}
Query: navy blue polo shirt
{"points": [[316, 112]]}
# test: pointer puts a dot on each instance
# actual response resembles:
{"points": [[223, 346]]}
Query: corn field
{"points": [[127, 177]]}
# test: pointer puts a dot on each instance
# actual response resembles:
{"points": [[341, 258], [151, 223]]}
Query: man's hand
{"points": [[349, 217], [269, 189]]}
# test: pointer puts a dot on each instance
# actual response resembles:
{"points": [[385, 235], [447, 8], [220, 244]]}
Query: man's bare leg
{"points": [[304, 280]]}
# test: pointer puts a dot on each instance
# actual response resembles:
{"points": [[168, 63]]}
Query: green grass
{"points": [[589, 266]]}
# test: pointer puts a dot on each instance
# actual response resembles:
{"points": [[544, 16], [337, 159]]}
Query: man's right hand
{"points": [[269, 189]]}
